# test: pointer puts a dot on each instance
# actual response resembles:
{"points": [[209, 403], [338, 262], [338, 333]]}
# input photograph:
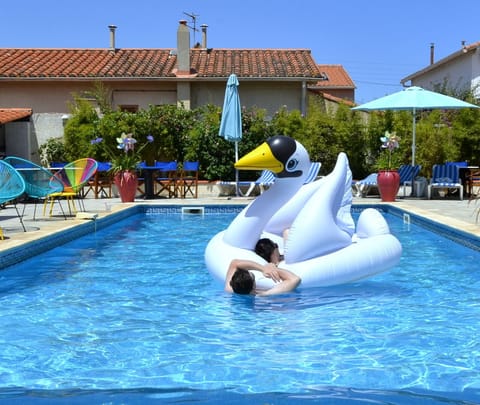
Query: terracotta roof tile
{"points": [[154, 63], [13, 114], [84, 63], [337, 99], [337, 77], [255, 63]]}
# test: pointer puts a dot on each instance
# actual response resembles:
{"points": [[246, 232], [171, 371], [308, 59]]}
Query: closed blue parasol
{"points": [[231, 123], [414, 98]]}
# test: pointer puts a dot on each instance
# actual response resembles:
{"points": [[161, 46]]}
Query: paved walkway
{"points": [[457, 214]]}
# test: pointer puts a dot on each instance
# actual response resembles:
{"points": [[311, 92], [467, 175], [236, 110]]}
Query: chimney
{"points": [[432, 53], [204, 36], [112, 37], [183, 48]]}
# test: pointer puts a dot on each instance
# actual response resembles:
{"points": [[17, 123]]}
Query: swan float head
{"points": [[289, 161], [280, 154]]}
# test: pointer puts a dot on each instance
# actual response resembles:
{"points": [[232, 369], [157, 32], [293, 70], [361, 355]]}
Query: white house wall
{"points": [[48, 125], [270, 96], [50, 101], [457, 74], [144, 98], [40, 96], [476, 74]]}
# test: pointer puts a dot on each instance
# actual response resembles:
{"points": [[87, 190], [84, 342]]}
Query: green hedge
{"points": [[182, 134]]}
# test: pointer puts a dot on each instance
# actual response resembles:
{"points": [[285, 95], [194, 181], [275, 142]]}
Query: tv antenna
{"points": [[194, 23]]}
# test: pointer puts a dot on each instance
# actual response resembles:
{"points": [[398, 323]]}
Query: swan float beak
{"points": [[260, 158]]}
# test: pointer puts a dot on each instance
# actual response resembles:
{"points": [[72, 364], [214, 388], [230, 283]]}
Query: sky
{"points": [[377, 42]]}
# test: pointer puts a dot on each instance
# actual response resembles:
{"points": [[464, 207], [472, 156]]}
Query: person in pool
{"points": [[268, 249], [241, 281]]}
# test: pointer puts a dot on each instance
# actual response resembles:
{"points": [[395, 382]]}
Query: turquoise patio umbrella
{"points": [[414, 98], [231, 123]]}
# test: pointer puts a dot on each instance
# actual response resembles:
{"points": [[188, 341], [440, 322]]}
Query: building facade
{"points": [[459, 71], [44, 81]]}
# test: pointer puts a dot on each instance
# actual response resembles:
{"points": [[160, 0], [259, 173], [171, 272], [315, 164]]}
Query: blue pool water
{"points": [[130, 313]]}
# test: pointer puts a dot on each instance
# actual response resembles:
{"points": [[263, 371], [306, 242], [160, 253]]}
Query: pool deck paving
{"points": [[461, 215]]}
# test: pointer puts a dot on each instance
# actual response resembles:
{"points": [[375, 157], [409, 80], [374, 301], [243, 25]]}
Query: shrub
{"points": [[52, 151]]}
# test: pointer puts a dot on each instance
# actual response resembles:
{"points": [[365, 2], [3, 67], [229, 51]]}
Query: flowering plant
{"points": [[129, 157], [385, 160]]}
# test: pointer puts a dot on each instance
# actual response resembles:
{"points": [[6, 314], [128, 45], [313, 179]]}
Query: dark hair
{"points": [[264, 248], [242, 282]]}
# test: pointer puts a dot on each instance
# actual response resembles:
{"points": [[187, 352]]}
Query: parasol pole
{"points": [[413, 152], [413, 139], [236, 170]]}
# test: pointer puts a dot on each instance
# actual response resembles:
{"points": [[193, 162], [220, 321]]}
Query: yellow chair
{"points": [[73, 176]]}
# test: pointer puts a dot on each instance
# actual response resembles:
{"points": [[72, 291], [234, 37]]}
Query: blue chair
{"points": [[39, 181], [187, 182], [12, 186], [460, 164], [166, 178], [100, 184], [407, 176], [445, 177], [57, 165]]}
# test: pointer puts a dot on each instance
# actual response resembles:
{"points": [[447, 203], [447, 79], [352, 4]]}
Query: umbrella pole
{"points": [[413, 152], [413, 139], [236, 170]]}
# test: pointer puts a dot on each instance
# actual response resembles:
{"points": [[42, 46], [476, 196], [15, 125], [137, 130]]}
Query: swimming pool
{"points": [[130, 312]]}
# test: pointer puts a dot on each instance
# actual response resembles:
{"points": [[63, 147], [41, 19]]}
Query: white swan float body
{"points": [[323, 246]]}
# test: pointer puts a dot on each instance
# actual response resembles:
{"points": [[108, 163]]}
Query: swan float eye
{"points": [[291, 164]]}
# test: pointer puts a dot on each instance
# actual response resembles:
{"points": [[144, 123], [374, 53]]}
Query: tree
{"points": [[215, 154], [181, 134], [79, 129]]}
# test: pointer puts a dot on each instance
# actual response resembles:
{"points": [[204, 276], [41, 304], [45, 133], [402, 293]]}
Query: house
{"points": [[18, 136], [45, 80], [336, 84], [335, 88], [459, 71]]}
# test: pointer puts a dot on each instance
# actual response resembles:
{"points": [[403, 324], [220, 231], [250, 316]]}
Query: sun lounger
{"points": [[445, 178], [265, 180], [407, 176], [364, 186]]}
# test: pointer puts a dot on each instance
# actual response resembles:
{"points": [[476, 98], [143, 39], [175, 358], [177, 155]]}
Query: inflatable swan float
{"points": [[323, 247]]}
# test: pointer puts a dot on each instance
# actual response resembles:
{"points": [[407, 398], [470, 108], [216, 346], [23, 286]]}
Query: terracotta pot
{"points": [[388, 184], [126, 183]]}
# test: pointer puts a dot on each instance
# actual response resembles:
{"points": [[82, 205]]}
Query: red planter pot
{"points": [[388, 184], [126, 183]]}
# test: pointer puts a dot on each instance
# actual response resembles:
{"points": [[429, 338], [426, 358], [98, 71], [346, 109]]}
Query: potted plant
{"points": [[388, 179], [124, 163]]}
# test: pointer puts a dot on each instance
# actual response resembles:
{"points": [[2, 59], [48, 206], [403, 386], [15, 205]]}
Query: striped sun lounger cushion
{"points": [[445, 176]]}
